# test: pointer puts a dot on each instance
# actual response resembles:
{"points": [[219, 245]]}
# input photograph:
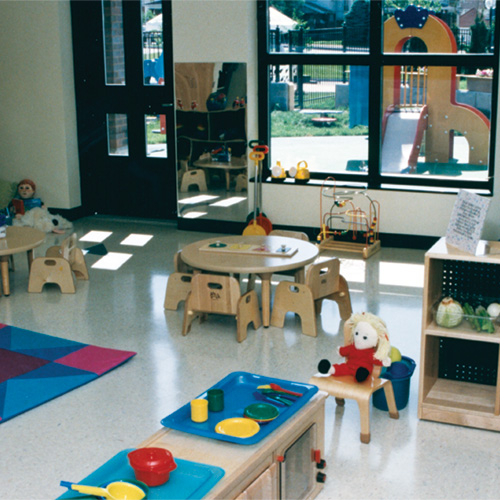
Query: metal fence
{"points": [[343, 39]]}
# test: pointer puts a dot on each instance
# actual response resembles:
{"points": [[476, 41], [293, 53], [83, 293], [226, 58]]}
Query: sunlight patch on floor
{"points": [[112, 261], [136, 240], [96, 236]]}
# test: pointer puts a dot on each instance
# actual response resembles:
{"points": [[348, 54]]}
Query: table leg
{"points": [[266, 298], [30, 258], [5, 274]]}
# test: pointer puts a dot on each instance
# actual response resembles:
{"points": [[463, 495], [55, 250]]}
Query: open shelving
{"points": [[460, 367]]}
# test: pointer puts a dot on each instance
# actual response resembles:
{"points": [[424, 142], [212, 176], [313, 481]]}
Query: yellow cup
{"points": [[199, 410]]}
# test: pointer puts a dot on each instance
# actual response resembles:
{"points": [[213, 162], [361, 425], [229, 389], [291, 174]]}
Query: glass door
{"points": [[124, 95]]}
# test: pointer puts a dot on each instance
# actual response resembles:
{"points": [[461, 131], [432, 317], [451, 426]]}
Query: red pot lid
{"points": [[153, 459]]}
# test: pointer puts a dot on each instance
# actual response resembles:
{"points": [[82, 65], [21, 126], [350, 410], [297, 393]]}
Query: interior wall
{"points": [[38, 118]]}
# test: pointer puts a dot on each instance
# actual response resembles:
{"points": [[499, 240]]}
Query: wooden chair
{"points": [[178, 284], [61, 265], [346, 387], [323, 281], [193, 178], [178, 288], [217, 294], [299, 235]]}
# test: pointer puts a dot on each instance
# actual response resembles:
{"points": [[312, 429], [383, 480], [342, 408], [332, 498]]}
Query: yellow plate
{"points": [[238, 427]]}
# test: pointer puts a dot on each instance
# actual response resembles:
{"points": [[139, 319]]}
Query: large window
{"points": [[384, 94]]}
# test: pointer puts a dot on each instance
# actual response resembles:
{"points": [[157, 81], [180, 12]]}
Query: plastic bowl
{"points": [[152, 465]]}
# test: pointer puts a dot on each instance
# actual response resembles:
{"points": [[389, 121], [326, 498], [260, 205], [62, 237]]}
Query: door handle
{"points": [[167, 105]]}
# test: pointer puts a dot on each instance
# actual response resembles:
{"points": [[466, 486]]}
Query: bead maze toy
{"points": [[346, 220]]}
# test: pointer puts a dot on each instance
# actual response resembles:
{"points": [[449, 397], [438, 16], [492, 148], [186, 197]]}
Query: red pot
{"points": [[152, 465]]}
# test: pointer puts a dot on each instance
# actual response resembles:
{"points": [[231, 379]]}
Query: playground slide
{"points": [[399, 141]]}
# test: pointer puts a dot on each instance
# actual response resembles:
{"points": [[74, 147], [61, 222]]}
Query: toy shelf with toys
{"points": [[459, 377], [344, 220]]}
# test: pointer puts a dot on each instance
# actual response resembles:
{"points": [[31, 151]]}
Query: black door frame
{"points": [[135, 185]]}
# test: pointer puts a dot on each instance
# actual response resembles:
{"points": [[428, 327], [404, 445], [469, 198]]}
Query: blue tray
{"points": [[190, 480], [239, 389]]}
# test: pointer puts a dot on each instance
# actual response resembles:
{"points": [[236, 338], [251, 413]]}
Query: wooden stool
{"points": [[347, 387], [323, 281], [241, 183], [178, 288], [217, 294], [61, 265], [194, 178]]}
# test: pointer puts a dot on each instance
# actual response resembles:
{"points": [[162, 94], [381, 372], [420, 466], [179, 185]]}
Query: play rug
{"points": [[35, 368]]}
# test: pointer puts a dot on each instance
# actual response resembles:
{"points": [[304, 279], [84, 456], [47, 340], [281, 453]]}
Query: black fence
{"points": [[347, 39]]}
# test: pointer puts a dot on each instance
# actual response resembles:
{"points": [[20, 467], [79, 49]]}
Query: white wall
{"points": [[37, 102], [37, 118]]}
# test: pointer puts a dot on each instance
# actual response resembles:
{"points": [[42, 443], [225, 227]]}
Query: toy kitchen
{"points": [[265, 440]]}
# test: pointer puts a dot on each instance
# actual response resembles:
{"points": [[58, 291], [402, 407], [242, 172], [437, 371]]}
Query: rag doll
{"points": [[368, 346]]}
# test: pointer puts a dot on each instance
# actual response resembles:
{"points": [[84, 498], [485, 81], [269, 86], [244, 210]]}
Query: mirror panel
{"points": [[212, 140]]}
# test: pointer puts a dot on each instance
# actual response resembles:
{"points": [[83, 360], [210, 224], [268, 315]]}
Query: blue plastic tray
{"points": [[190, 480], [239, 389]]}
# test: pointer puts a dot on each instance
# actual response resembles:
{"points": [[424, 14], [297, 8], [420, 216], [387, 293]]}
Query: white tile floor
{"points": [[69, 437]]}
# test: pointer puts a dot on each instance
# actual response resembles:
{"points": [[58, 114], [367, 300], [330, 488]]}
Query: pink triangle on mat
{"points": [[95, 359]]}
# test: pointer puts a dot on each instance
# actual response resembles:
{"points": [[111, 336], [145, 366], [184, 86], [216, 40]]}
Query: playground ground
{"points": [[332, 154]]}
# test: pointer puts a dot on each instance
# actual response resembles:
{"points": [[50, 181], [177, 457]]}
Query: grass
{"points": [[296, 124]]}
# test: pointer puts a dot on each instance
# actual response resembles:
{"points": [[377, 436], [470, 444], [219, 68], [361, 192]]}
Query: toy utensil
{"points": [[261, 397], [280, 399], [114, 491], [277, 387]]}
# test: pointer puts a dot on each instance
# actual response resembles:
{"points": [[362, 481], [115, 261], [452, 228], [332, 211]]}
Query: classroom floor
{"points": [[69, 437]]}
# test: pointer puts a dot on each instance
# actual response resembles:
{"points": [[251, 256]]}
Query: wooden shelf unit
{"points": [[451, 390]]}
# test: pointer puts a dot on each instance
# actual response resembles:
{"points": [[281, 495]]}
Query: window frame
{"points": [[375, 59]]}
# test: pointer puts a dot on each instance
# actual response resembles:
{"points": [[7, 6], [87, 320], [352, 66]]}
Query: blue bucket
{"points": [[399, 373]]}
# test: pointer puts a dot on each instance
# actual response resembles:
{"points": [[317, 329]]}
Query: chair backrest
{"points": [[323, 277], [216, 294], [179, 265], [289, 234], [67, 245], [377, 370]]}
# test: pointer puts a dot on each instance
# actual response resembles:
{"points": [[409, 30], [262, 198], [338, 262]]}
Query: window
{"points": [[382, 94]]}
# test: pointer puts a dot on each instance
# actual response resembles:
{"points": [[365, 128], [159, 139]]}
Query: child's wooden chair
{"points": [[193, 178], [61, 265], [347, 387], [218, 294], [323, 281], [178, 288]]}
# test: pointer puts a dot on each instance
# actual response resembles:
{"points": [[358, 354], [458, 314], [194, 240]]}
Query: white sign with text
{"points": [[467, 221]]}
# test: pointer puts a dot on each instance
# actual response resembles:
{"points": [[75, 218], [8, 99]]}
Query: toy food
{"points": [[494, 310], [395, 355], [449, 313]]}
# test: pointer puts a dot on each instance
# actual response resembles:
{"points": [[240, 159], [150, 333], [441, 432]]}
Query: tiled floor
{"points": [[69, 437]]}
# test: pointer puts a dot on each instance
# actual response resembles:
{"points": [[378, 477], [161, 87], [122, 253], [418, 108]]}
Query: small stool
{"points": [[178, 288], [241, 183], [193, 177]]}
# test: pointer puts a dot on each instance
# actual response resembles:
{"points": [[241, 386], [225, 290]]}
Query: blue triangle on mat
{"points": [[22, 394]]}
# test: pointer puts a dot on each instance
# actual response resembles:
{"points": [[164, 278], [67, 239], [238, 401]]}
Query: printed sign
{"points": [[467, 221]]}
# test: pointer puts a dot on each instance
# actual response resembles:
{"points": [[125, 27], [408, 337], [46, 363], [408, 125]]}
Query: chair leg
{"points": [[391, 401], [364, 416], [189, 316], [248, 312], [343, 299], [297, 298]]}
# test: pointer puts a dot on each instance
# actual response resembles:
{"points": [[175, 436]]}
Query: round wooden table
{"points": [[217, 260], [18, 239]]}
